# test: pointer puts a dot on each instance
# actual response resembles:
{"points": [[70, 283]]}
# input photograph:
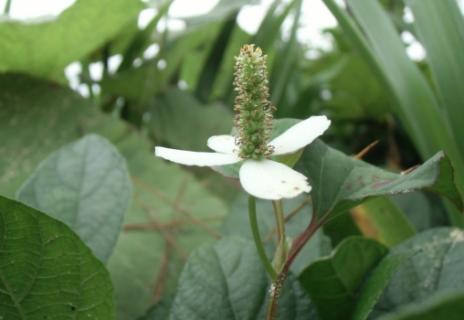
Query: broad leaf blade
{"points": [[339, 182], [426, 265], [46, 271], [86, 185], [335, 280], [227, 279]]}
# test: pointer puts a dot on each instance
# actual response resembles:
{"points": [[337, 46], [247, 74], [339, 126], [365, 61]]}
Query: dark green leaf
{"points": [[335, 280], [46, 272], [340, 181], [86, 185], [428, 264], [227, 279]]}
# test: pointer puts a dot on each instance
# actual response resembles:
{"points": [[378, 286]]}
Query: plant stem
{"points": [[297, 245], [281, 252], [257, 238]]}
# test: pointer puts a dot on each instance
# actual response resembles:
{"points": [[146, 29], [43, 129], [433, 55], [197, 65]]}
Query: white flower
{"points": [[265, 179]]}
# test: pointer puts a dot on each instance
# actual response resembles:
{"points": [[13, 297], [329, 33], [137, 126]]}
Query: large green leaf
{"points": [[85, 185], [45, 48], [237, 224], [339, 181], [46, 272], [171, 212], [335, 280], [440, 27], [449, 306], [227, 279], [428, 264]]}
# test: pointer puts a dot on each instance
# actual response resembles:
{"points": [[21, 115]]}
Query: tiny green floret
{"points": [[253, 119]]}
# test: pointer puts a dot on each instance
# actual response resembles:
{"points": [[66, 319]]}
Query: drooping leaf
{"points": [[426, 265], [46, 271], [171, 213], [85, 185], [44, 48], [340, 182], [227, 279], [335, 280]]}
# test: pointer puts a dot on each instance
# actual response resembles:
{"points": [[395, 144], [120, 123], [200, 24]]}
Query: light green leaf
{"points": [[449, 306], [227, 279], [335, 280], [426, 265], [44, 48], [86, 185], [440, 28], [46, 271], [340, 182]]}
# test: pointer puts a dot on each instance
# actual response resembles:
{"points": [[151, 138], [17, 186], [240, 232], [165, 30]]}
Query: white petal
{"points": [[272, 180], [222, 144], [191, 158], [300, 135]]}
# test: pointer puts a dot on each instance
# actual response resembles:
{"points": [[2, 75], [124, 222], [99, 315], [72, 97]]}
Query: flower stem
{"points": [[257, 238], [297, 245], [6, 9], [281, 252]]}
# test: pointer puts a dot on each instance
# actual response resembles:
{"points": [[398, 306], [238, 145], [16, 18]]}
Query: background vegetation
{"points": [[174, 88]]}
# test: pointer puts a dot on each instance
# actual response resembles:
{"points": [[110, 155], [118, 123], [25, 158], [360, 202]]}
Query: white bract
{"points": [[265, 179]]}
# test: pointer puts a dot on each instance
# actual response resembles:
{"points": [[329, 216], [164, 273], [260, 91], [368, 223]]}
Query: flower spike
{"points": [[253, 109]]}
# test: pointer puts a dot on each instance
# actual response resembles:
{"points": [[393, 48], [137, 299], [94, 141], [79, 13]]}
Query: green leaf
{"points": [[440, 27], [170, 215], [47, 272], [449, 306], [417, 269], [340, 182], [335, 280], [237, 223], [44, 49], [227, 279], [86, 185]]}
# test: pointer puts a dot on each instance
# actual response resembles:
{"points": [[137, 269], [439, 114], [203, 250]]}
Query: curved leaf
{"points": [[86, 185]]}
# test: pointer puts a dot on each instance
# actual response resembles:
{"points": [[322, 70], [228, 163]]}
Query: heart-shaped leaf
{"points": [[86, 185], [340, 182], [46, 271], [335, 280]]}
